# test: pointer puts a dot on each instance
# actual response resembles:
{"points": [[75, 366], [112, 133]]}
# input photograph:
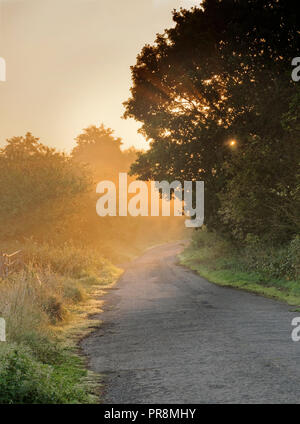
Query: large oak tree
{"points": [[222, 74]]}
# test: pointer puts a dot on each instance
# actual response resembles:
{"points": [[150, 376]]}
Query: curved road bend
{"points": [[169, 336]]}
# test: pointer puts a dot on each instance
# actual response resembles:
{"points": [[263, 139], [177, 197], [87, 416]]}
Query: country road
{"points": [[169, 336]]}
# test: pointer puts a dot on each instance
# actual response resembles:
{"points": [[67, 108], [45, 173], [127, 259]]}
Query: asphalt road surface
{"points": [[169, 336]]}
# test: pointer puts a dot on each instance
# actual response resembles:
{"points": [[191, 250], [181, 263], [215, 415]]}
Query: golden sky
{"points": [[68, 64]]}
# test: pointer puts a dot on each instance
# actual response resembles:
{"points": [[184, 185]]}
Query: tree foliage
{"points": [[98, 147], [40, 189], [221, 74]]}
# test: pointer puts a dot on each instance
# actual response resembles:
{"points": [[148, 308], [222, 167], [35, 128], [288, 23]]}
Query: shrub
{"points": [[268, 261], [23, 379], [72, 291], [54, 309], [34, 367]]}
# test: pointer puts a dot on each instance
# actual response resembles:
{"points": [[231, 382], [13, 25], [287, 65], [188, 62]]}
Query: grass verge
{"points": [[47, 307], [269, 272]]}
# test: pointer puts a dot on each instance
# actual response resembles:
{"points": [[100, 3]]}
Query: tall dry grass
{"points": [[34, 366]]}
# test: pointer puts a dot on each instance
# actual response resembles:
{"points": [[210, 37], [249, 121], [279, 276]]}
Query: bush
{"points": [[294, 256], [266, 260], [72, 291], [40, 189], [54, 309], [272, 261], [24, 379], [34, 367]]}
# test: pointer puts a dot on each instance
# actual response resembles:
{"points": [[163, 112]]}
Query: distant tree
{"points": [[98, 147], [115, 236], [40, 189]]}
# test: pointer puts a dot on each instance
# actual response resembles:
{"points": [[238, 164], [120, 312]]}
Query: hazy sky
{"points": [[68, 64]]}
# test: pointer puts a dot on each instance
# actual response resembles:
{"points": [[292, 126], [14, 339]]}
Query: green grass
{"points": [[44, 373], [47, 306], [220, 263]]}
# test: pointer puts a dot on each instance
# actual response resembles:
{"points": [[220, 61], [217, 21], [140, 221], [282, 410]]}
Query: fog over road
{"points": [[169, 336]]}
